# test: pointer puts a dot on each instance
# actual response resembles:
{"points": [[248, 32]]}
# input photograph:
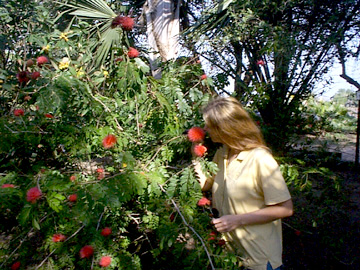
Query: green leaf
{"points": [[224, 5], [35, 224], [142, 65], [54, 200], [24, 214]]}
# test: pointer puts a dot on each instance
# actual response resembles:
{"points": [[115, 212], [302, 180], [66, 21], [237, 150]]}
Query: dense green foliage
{"points": [[54, 118]]}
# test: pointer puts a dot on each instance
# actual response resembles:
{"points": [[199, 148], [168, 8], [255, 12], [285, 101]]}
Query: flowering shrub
{"points": [[68, 199]]}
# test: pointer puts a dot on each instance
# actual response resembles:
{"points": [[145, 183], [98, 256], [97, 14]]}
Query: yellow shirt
{"points": [[251, 182]]}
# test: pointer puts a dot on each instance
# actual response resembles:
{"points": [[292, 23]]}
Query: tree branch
{"points": [[191, 228]]}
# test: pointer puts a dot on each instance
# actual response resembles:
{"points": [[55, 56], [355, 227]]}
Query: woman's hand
{"points": [[267, 214], [227, 223]]}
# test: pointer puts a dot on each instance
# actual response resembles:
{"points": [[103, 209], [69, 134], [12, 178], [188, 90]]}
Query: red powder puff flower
{"points": [[7, 186], [101, 176], [73, 198], [133, 53], [100, 170], [27, 98], [105, 261], [42, 60], [116, 21], [126, 23], [33, 194], [260, 62], [35, 75], [297, 232], [204, 201], [86, 252], [109, 141], [199, 150], [106, 231], [203, 77], [18, 112], [48, 115], [72, 178], [101, 173], [211, 238], [58, 237], [15, 265], [196, 134], [23, 76]]}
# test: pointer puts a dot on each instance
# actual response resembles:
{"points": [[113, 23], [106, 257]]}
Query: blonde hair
{"points": [[229, 121]]}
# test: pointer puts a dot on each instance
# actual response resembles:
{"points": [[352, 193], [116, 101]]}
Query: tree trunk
{"points": [[163, 28]]}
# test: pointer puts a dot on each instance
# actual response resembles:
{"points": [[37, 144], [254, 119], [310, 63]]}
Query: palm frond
{"points": [[109, 38], [102, 15]]}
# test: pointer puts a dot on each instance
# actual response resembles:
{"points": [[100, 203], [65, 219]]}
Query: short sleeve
{"points": [[272, 182]]}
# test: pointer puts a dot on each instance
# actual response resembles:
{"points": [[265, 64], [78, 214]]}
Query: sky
{"points": [[352, 70], [337, 83]]}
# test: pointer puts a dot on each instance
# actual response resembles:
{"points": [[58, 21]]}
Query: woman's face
{"points": [[214, 137]]}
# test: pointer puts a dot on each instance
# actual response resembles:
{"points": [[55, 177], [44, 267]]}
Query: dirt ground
{"points": [[308, 250]]}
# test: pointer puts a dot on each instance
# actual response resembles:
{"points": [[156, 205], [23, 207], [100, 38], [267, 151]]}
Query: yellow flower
{"points": [[124, 165], [64, 64], [46, 48], [64, 36], [80, 72], [105, 73]]}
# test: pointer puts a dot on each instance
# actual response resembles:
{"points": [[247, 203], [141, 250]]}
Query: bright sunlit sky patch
{"points": [[337, 83], [352, 70]]}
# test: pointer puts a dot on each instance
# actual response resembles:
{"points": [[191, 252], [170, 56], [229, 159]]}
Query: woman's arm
{"points": [[270, 213], [205, 182]]}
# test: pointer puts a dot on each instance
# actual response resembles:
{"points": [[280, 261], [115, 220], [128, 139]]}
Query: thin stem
{"points": [[190, 227], [159, 149], [52, 252]]}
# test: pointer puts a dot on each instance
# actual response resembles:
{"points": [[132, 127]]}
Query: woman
{"points": [[248, 190]]}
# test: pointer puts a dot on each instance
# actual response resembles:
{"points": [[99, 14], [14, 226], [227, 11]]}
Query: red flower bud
{"points": [[109, 141], [105, 261], [18, 112], [133, 53], [58, 237], [106, 231], [204, 201], [86, 252], [200, 150], [42, 60], [35, 75], [73, 198], [33, 194], [7, 186]]}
